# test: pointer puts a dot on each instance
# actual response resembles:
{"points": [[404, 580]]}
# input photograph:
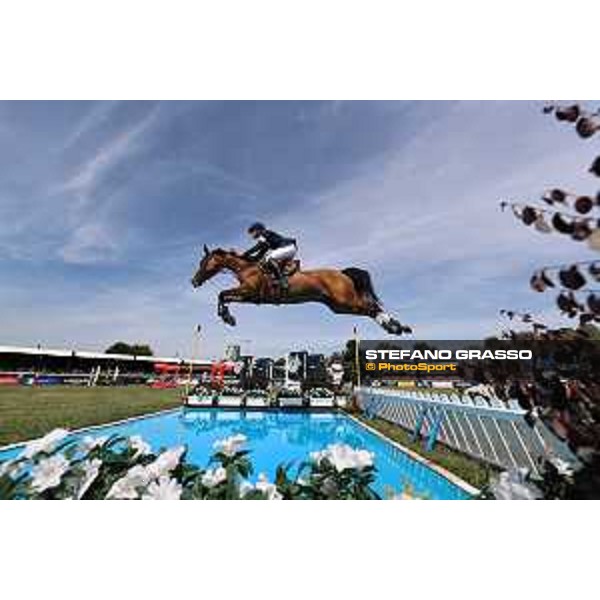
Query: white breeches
{"points": [[283, 253]]}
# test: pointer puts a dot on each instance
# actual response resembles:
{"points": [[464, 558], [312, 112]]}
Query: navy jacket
{"points": [[268, 240]]}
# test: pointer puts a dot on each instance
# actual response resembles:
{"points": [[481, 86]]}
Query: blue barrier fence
{"points": [[487, 429]]}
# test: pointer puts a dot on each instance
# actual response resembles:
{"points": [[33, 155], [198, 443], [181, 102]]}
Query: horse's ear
{"points": [[206, 251]]}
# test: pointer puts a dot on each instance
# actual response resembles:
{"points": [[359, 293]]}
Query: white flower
{"points": [[126, 487], [213, 477], [230, 445], [270, 489], [44, 444], [163, 489], [137, 443], [512, 485], [166, 462], [89, 443], [48, 472], [139, 476], [91, 468], [342, 457]]}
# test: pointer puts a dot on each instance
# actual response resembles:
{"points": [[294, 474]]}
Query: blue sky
{"points": [[104, 207]]}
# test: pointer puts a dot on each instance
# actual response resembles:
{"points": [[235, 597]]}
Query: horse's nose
{"points": [[193, 281]]}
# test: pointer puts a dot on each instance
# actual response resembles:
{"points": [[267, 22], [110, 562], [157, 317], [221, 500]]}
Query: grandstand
{"points": [[51, 366], [22, 364]]}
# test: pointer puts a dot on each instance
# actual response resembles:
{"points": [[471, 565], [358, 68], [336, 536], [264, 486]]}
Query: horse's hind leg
{"points": [[383, 318], [371, 309], [391, 324]]}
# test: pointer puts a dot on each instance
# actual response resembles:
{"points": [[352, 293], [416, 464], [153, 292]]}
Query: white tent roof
{"points": [[33, 350]]}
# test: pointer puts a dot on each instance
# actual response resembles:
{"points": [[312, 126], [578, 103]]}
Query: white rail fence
{"points": [[486, 429]]}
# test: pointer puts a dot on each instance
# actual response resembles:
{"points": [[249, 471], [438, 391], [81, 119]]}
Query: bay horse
{"points": [[348, 291]]}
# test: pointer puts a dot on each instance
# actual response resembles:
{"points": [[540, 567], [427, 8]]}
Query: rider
{"points": [[273, 249]]}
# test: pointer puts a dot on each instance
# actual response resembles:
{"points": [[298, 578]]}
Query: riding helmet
{"points": [[256, 227]]}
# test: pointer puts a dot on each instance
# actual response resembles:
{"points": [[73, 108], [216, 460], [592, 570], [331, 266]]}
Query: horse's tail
{"points": [[362, 282]]}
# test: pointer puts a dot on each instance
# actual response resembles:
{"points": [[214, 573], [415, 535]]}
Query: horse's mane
{"points": [[220, 250], [223, 252]]}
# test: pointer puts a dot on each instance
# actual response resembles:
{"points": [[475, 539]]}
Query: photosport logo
{"points": [[469, 359]]}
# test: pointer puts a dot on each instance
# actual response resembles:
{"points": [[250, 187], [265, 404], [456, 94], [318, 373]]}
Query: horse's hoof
{"points": [[396, 328], [229, 320]]}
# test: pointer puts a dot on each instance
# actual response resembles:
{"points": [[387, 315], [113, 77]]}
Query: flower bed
{"points": [[257, 398], [231, 396], [57, 467], [321, 398], [201, 396], [290, 398]]}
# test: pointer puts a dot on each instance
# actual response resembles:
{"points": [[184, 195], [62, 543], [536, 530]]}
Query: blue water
{"points": [[280, 437]]}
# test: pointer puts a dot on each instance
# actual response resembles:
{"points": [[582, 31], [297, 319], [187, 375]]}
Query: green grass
{"points": [[29, 412], [468, 469]]}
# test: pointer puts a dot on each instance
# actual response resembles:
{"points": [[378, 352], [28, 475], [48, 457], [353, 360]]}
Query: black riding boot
{"points": [[279, 276]]}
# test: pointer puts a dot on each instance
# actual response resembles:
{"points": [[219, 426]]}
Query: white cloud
{"points": [[85, 178], [91, 238], [97, 115], [90, 243]]}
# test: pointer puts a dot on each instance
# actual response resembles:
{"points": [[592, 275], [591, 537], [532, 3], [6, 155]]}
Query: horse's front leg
{"points": [[223, 310], [234, 295]]}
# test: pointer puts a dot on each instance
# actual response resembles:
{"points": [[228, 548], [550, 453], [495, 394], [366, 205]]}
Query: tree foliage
{"points": [[130, 349]]}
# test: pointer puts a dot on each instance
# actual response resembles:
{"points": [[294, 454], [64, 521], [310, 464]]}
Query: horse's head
{"points": [[211, 263]]}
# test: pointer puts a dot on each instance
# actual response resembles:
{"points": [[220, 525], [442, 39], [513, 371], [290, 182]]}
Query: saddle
{"points": [[277, 288], [289, 267]]}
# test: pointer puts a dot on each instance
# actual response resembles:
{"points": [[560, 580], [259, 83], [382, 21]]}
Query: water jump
{"points": [[269, 273]]}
